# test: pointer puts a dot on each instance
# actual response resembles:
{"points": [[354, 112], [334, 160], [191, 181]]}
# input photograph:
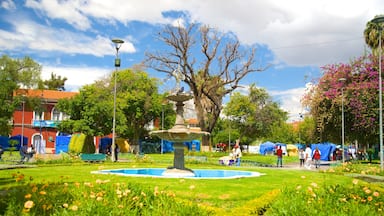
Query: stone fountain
{"points": [[178, 134]]}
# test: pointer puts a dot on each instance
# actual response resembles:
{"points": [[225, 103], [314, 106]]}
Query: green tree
{"points": [[90, 111], [360, 101], [210, 67], [138, 103], [255, 115], [307, 131], [14, 73], [372, 34], [56, 82]]}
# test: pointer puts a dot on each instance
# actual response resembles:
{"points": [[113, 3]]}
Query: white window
{"points": [[38, 116], [56, 115]]}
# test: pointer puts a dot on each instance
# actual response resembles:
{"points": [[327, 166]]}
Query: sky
{"points": [[72, 38]]}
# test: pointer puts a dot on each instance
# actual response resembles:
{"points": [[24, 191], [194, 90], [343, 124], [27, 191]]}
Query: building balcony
{"points": [[45, 123]]}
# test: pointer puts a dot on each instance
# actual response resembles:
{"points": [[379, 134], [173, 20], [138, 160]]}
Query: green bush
{"points": [[99, 197], [313, 199], [81, 143]]}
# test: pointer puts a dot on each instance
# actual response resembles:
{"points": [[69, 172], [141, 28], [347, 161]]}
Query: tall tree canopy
{"points": [[256, 115], [211, 64], [14, 74], [56, 82], [372, 33], [137, 104], [360, 91]]}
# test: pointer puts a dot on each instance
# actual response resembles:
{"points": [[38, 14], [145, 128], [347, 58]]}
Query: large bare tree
{"points": [[212, 65]]}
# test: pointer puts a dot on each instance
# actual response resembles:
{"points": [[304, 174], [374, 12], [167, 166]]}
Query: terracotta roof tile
{"points": [[45, 94]]}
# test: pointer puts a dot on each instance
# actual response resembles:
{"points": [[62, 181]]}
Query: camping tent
{"points": [[326, 149], [18, 139], [267, 148], [292, 149]]}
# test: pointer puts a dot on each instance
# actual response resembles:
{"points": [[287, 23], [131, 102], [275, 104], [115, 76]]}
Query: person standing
{"points": [[301, 157], [316, 157], [308, 157], [279, 153], [236, 151]]}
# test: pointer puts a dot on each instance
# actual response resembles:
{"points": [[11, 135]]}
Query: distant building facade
{"points": [[40, 128]]}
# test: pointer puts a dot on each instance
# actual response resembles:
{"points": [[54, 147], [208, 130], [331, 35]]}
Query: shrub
{"points": [[353, 199], [81, 143], [99, 197]]}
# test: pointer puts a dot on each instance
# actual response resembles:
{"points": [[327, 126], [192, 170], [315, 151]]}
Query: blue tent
{"points": [[104, 143], [267, 147], [326, 149], [62, 143], [18, 139], [4, 142]]}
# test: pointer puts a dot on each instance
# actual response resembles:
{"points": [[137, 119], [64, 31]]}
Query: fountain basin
{"points": [[179, 135], [198, 173]]}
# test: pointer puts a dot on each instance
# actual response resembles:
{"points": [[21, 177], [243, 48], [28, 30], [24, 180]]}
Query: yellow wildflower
{"points": [[28, 196], [74, 208], [376, 194], [355, 181], [29, 204]]}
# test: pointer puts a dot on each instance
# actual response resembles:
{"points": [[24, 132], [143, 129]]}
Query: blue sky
{"points": [[72, 38]]}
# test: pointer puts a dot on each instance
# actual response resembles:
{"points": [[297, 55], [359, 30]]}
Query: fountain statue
{"points": [[178, 134]]}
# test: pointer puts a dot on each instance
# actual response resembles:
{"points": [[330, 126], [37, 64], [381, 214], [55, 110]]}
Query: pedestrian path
{"points": [[324, 165], [15, 166]]}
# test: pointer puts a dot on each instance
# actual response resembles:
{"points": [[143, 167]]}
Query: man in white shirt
{"points": [[308, 157]]}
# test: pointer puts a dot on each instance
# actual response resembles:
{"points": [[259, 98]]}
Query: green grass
{"points": [[220, 195]]}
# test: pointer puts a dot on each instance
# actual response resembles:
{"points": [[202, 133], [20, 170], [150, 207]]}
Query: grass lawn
{"points": [[220, 195]]}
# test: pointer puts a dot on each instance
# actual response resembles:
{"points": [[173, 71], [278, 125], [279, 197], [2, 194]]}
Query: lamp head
{"points": [[117, 42]]}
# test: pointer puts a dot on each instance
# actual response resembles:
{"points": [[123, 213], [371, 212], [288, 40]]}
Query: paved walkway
{"points": [[324, 165]]}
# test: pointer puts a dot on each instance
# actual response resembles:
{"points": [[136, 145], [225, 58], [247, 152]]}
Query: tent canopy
{"points": [[326, 149], [267, 147]]}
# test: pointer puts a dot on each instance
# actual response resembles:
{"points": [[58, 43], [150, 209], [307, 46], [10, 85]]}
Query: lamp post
{"points": [[380, 20], [118, 43], [22, 123], [342, 120], [162, 126], [301, 119]]}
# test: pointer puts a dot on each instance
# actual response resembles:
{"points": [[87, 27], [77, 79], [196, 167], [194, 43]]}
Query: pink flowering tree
{"points": [[358, 81]]}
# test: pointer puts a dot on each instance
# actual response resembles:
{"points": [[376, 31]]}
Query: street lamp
{"points": [[118, 43], [22, 123], [342, 120], [162, 126], [379, 20], [301, 119]]}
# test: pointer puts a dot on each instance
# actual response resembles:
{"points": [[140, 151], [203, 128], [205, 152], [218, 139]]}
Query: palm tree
{"points": [[372, 34]]}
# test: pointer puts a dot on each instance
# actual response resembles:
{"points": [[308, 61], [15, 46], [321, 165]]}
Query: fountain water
{"points": [[178, 134]]}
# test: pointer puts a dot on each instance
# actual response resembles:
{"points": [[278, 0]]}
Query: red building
{"points": [[40, 128]]}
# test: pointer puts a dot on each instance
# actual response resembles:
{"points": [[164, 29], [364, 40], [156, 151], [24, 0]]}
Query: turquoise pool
{"points": [[199, 173]]}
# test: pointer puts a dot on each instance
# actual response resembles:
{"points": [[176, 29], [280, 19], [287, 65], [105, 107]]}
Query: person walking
{"points": [[316, 157], [308, 157], [301, 157], [279, 153]]}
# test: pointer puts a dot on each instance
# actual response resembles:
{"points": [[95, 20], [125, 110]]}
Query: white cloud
{"points": [[8, 5], [66, 10], [77, 76], [34, 37], [290, 101], [299, 32]]}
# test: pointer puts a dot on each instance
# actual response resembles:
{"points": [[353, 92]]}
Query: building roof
{"points": [[51, 95]]}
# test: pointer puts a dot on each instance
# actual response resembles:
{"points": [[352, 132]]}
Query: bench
{"points": [[93, 157]]}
